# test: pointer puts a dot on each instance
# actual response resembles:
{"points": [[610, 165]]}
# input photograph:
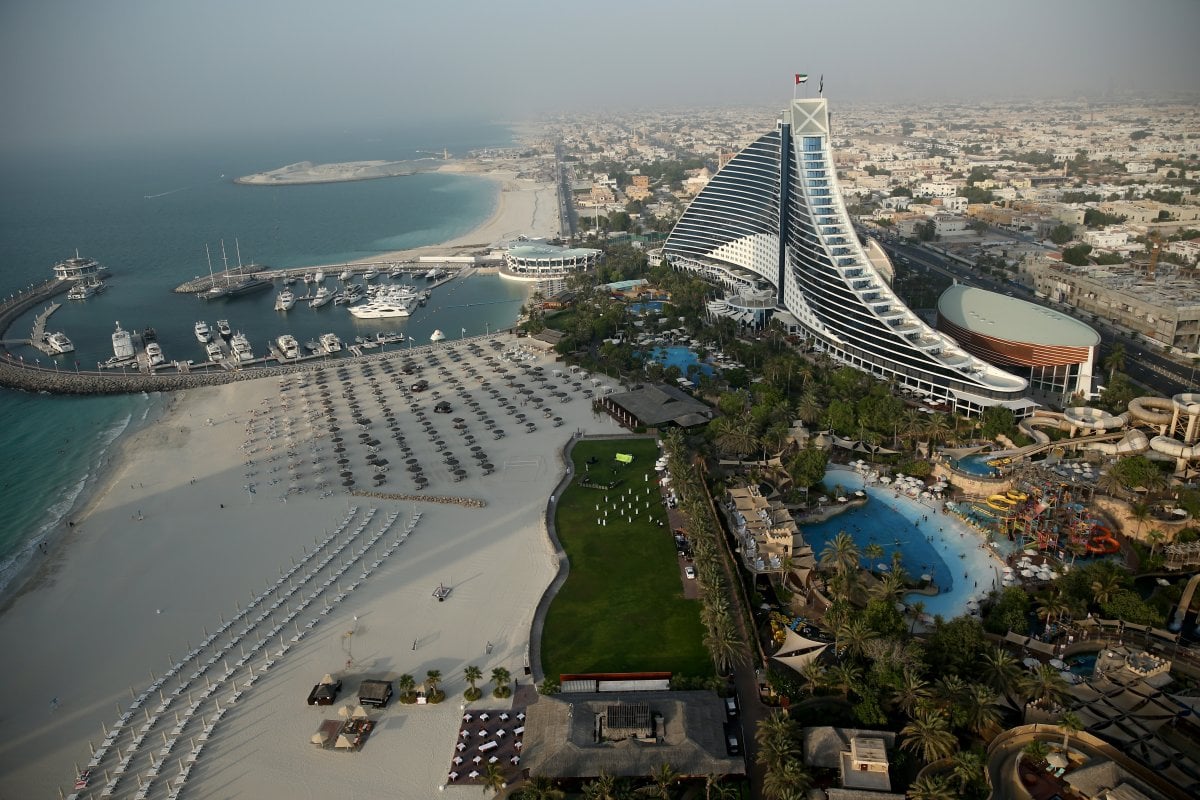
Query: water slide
{"points": [[1152, 410], [1185, 603]]}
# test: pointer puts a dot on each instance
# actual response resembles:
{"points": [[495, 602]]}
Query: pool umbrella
{"points": [[348, 482], [346, 474]]}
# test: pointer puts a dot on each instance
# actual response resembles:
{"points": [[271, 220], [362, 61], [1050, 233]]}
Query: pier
{"points": [[456, 266], [38, 337]]}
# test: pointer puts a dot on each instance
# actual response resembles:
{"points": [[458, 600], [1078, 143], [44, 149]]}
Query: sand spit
{"points": [[233, 507], [304, 172]]}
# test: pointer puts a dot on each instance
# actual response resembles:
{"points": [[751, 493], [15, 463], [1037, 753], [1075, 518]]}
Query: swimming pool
{"points": [[645, 308], [977, 465], [1082, 664], [929, 543], [678, 356]]}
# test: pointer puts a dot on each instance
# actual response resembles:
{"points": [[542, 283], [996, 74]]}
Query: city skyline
{"points": [[82, 73]]}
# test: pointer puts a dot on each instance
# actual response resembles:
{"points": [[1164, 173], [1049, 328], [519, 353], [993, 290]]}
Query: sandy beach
{"points": [[524, 207], [206, 567]]}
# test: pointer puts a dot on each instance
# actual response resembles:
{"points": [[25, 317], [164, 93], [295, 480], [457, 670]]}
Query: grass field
{"points": [[622, 608]]}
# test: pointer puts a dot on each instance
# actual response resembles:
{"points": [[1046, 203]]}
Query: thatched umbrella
{"points": [[348, 482]]}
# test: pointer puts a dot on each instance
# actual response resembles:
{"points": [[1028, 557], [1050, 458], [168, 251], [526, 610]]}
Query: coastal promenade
{"points": [[453, 264]]}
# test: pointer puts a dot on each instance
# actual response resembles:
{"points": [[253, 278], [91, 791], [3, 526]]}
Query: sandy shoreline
{"points": [[156, 564], [524, 207]]}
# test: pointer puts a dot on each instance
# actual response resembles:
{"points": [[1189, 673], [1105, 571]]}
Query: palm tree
{"points": [[663, 777], [777, 739], [1070, 723], [433, 679], [1140, 512], [407, 686], [931, 787], [1110, 482], [928, 734], [873, 551], [918, 608], [1105, 587], [715, 790], [809, 408], [936, 428], [724, 644], [1037, 750], [501, 677], [890, 588], [493, 779], [735, 436], [854, 635], [948, 693], [841, 554], [1046, 686], [980, 713], [1155, 538], [911, 693], [1115, 361], [603, 787], [1001, 671], [1052, 605], [968, 770], [845, 678], [789, 781], [541, 788], [472, 674]]}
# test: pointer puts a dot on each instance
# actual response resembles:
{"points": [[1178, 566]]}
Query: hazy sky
{"points": [[77, 70]]}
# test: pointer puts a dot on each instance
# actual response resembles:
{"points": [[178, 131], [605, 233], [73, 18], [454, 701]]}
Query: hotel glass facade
{"points": [[774, 214]]}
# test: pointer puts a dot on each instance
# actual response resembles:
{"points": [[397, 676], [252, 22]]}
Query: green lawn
{"points": [[622, 607]]}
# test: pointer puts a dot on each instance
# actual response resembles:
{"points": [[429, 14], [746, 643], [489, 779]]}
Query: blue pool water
{"points": [[943, 546], [678, 356], [645, 308], [976, 465], [1083, 664]]}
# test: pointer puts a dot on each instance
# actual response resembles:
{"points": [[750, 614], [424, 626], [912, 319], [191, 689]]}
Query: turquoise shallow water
{"points": [[146, 214]]}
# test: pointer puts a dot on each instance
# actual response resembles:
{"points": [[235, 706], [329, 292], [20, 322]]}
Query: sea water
{"points": [[146, 213]]}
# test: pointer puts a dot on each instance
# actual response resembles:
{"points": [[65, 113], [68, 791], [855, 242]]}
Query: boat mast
{"points": [[225, 258], [211, 280]]}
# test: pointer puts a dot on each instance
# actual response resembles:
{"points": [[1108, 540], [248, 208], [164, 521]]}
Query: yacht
{"points": [[122, 341], [86, 289], [290, 280], [319, 276], [149, 335], [322, 297], [384, 308], [241, 348], [435, 273], [203, 332], [59, 343], [288, 346], [397, 271], [154, 355], [371, 274], [330, 343], [308, 277], [224, 329], [389, 338], [350, 295], [214, 352], [437, 336], [346, 275], [285, 300]]}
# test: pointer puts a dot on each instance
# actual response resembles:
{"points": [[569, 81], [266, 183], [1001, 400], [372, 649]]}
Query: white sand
{"points": [[94, 627], [524, 207]]}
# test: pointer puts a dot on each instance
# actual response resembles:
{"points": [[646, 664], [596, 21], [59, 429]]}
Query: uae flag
{"points": [[801, 78]]}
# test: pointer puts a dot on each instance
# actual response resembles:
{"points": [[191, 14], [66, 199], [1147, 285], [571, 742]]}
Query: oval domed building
{"points": [[1054, 352]]}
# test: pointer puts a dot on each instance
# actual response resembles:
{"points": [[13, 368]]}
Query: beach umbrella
{"points": [[348, 482], [1030, 662], [1057, 663], [414, 468], [346, 474]]}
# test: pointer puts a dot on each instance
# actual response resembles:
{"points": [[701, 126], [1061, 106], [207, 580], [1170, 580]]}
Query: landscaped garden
{"points": [[622, 607]]}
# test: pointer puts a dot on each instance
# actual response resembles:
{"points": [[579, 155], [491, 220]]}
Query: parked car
{"points": [[690, 573]]}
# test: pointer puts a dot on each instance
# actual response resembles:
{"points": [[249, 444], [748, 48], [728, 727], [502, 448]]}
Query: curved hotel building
{"points": [[774, 215]]}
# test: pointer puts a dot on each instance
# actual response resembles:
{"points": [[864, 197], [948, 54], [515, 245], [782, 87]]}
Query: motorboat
{"points": [[322, 297], [122, 341], [319, 276], [214, 352], [223, 329], [424, 298], [285, 300], [203, 332], [396, 272], [154, 355], [86, 289], [288, 346], [371, 274], [384, 308], [389, 338], [330, 343], [351, 295], [308, 277], [437, 336], [59, 343], [241, 348], [290, 280], [346, 275], [435, 273], [149, 335]]}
